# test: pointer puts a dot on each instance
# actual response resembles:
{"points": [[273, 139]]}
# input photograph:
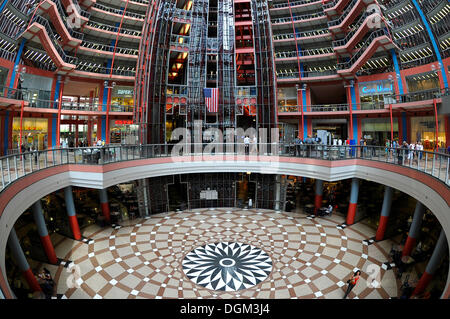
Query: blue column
{"points": [[385, 211], [433, 41], [397, 71], [354, 117], [55, 116]]}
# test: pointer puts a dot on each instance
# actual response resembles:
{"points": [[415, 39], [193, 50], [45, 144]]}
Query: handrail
{"points": [[15, 166]]}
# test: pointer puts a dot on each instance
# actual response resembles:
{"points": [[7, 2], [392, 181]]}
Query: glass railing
{"points": [[16, 166], [182, 40]]}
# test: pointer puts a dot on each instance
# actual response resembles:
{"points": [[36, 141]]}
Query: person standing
{"points": [[352, 282], [246, 144]]}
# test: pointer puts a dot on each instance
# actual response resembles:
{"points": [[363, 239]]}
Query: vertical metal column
{"points": [[414, 229], [19, 257], [385, 211], [353, 202], [277, 192], [433, 264], [43, 232], [70, 206]]}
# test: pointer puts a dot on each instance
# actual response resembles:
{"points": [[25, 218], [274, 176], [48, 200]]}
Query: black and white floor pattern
{"points": [[227, 266]]}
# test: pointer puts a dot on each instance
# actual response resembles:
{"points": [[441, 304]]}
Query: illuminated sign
{"points": [[123, 122], [378, 87]]}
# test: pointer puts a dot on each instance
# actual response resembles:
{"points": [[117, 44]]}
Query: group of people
{"points": [[405, 151]]}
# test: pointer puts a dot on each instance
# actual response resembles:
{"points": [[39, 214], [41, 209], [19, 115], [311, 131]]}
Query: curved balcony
{"points": [[297, 5], [305, 18], [55, 13], [96, 49], [305, 55], [27, 177], [96, 71], [115, 15], [303, 37], [334, 7], [348, 16], [110, 32]]}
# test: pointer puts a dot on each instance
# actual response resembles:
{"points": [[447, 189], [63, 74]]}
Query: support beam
{"points": [[319, 195], [353, 202], [433, 265], [414, 230], [385, 211], [105, 204], [43, 232], [22, 263], [70, 206]]}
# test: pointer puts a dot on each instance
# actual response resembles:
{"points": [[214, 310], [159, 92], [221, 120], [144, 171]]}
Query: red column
{"points": [[49, 250], [381, 228], [75, 227], [31, 280]]}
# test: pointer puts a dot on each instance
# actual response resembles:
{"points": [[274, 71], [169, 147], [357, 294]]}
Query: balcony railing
{"points": [[111, 28], [16, 166], [425, 95], [367, 43], [344, 14], [108, 48], [65, 57], [294, 3], [298, 18], [118, 11]]}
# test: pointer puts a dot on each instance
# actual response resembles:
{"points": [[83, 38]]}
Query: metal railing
{"points": [[293, 3], [15, 166], [118, 11]]}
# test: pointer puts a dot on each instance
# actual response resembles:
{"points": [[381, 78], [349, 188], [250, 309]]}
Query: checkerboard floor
{"points": [[312, 258]]}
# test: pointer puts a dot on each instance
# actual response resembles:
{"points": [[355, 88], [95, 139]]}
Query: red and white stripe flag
{"points": [[211, 99]]}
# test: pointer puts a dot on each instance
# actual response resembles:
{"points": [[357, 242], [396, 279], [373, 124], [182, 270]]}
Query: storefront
{"points": [[377, 131], [422, 82], [287, 99], [423, 129], [375, 94], [122, 99], [38, 90], [123, 132], [336, 127], [34, 133]]}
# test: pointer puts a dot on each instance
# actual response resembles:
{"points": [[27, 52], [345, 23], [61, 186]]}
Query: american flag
{"points": [[211, 99]]}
